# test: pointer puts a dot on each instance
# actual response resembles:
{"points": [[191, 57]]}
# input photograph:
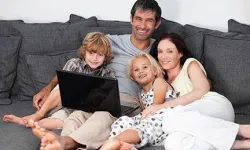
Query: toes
{"points": [[7, 118]]}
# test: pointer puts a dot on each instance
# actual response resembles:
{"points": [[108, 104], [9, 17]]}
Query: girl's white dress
{"points": [[149, 129]]}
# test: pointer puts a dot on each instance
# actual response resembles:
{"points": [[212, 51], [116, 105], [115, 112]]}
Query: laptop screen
{"points": [[88, 92]]}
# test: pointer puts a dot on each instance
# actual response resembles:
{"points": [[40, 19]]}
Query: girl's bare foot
{"points": [[115, 144], [13, 119]]}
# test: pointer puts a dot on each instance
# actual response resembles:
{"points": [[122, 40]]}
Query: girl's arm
{"points": [[200, 86], [160, 87]]}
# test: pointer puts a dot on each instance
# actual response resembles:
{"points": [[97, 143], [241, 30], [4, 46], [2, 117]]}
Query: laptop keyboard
{"points": [[126, 110]]}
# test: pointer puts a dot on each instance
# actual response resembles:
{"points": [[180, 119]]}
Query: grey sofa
{"points": [[30, 54]]}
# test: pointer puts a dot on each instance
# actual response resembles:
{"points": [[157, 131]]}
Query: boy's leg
{"points": [[52, 101], [95, 131], [74, 121], [51, 123]]}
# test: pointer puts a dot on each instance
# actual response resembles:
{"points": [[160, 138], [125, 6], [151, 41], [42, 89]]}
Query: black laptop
{"points": [[89, 93]]}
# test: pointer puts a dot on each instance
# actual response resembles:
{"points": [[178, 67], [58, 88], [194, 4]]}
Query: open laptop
{"points": [[89, 93]]}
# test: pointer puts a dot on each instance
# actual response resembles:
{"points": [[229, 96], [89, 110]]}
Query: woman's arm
{"points": [[200, 86]]}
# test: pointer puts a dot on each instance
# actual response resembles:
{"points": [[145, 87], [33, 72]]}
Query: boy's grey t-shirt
{"points": [[123, 50]]}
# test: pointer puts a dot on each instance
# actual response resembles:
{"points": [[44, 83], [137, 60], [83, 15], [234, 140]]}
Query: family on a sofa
{"points": [[175, 96]]}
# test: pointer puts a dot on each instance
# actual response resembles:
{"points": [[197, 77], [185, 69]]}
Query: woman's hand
{"points": [[150, 110]]}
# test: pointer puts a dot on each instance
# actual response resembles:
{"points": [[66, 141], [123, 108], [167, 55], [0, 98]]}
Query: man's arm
{"points": [[41, 96]]}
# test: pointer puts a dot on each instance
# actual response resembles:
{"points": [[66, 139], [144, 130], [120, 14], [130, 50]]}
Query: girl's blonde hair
{"points": [[152, 62], [96, 42]]}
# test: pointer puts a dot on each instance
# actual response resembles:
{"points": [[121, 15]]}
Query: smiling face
{"points": [[143, 24], [168, 55], [142, 71], [94, 59]]}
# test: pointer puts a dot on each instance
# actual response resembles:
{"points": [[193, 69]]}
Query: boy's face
{"points": [[143, 24], [94, 60]]}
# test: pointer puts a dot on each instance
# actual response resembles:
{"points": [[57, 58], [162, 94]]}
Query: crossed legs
{"points": [[52, 101]]}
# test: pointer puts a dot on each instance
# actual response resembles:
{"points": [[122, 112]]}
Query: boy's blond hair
{"points": [[96, 42], [152, 62]]}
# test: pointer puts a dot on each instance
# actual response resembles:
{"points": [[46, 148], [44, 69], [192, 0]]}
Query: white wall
{"points": [[212, 14]]}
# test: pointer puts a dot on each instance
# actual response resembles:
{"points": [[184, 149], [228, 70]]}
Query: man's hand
{"points": [[150, 110], [40, 98]]}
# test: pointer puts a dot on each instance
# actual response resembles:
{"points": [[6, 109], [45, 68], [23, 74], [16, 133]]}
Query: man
{"points": [[145, 18]]}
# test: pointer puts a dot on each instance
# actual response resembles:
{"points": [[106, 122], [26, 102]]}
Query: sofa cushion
{"points": [[106, 30], [226, 60], [194, 37], [42, 67], [235, 26], [45, 38], [168, 26], [10, 41], [101, 23]]}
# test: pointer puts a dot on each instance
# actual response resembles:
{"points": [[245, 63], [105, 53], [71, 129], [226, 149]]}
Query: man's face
{"points": [[143, 24]]}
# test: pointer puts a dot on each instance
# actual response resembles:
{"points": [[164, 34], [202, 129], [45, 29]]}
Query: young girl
{"points": [[144, 70], [94, 53]]}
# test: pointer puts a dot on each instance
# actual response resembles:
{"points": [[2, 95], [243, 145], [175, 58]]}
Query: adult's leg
{"points": [[74, 121], [212, 104], [49, 140], [95, 131], [213, 132]]}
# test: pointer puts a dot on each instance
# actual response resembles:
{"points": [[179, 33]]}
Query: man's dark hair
{"points": [[144, 5]]}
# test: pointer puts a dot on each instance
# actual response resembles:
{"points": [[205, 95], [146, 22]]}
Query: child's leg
{"points": [[74, 121], [52, 101], [51, 123], [115, 144], [13, 119], [121, 141]]}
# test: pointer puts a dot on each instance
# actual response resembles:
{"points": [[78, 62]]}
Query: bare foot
{"points": [[115, 144], [244, 131], [241, 144], [13, 119], [36, 116], [49, 140]]}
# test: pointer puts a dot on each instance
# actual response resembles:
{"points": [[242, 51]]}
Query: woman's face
{"points": [[168, 55]]}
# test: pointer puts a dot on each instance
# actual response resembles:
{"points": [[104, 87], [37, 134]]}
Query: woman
{"points": [[188, 77]]}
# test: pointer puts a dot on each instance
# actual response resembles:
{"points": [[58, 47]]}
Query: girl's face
{"points": [[168, 55], [142, 71], [94, 60]]}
